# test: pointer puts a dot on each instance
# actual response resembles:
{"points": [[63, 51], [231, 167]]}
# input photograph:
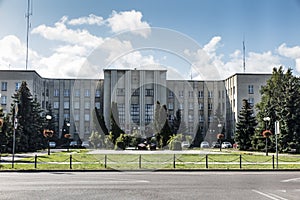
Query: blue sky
{"points": [[208, 35]]}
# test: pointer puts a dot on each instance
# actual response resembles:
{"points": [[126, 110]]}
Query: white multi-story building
{"points": [[208, 105]]}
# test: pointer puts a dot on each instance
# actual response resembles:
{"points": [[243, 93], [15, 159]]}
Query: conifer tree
{"points": [[30, 122], [245, 126]]}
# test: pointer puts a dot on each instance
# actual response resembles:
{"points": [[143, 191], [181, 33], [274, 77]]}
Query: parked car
{"points": [[85, 144], [215, 145], [204, 144], [226, 145], [73, 144], [52, 144], [185, 144]]}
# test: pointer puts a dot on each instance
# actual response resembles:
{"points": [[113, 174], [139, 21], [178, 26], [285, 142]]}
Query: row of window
{"points": [[135, 92], [66, 93], [5, 84], [87, 105], [191, 94], [135, 113], [191, 106]]}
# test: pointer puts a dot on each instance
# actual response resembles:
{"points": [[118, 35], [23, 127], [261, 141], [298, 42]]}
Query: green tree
{"points": [[280, 102], [95, 139], [174, 142], [245, 126], [30, 120]]}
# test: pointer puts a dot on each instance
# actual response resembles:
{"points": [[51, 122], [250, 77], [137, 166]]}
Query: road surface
{"points": [[151, 185]]}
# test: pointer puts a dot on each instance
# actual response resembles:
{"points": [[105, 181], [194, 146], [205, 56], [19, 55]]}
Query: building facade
{"points": [[208, 105]]}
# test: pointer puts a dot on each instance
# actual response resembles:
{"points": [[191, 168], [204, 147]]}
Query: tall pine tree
{"points": [[29, 135], [245, 126]]}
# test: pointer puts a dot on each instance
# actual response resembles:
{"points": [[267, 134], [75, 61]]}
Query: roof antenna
{"points": [[27, 16], [244, 62]]}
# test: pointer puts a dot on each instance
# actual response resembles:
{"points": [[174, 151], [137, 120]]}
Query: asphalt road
{"points": [[151, 185]]}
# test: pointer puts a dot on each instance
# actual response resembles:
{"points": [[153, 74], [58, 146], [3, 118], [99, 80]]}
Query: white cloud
{"points": [[90, 20], [13, 53], [61, 33], [212, 45], [207, 64], [128, 21], [291, 52]]}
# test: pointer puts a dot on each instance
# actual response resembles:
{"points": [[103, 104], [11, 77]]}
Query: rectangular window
{"points": [[56, 92], [120, 92], [18, 85], [191, 118], [66, 105], [191, 94], [181, 93], [135, 113], [3, 100], [76, 105], [87, 93], [170, 106], [76, 117], [87, 105], [149, 113], [201, 106], [200, 94], [149, 92], [191, 129], [201, 118], [4, 86], [171, 94], [97, 105], [98, 93], [66, 92], [210, 94], [77, 93], [86, 117], [180, 106], [191, 106], [56, 105], [251, 101], [136, 92], [210, 106], [250, 89], [67, 116], [121, 109]]}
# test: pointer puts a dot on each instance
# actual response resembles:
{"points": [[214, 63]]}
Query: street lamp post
{"points": [[266, 133], [68, 125], [14, 133], [48, 133], [220, 136]]}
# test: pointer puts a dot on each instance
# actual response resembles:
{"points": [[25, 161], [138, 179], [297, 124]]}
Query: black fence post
{"points": [[105, 161], [240, 161], [35, 161], [140, 161], [174, 161], [206, 161], [273, 161], [70, 161]]}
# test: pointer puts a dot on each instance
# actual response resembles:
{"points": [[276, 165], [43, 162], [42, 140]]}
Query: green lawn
{"points": [[81, 160]]}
